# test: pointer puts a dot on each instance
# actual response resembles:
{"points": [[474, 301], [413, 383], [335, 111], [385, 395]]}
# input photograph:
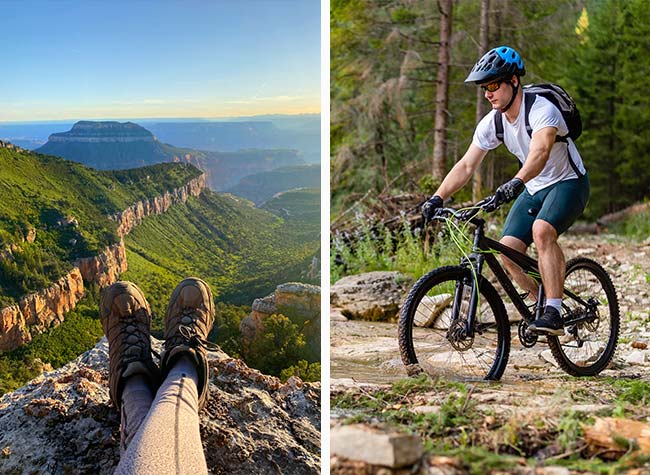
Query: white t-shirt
{"points": [[515, 137]]}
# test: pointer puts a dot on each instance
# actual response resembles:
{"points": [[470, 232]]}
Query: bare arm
{"points": [[538, 153], [461, 172]]}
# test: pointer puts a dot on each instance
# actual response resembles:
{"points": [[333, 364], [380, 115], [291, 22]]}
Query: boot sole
{"points": [[547, 331]]}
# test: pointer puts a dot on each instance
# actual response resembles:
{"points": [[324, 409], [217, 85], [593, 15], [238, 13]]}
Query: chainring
{"points": [[527, 338]]}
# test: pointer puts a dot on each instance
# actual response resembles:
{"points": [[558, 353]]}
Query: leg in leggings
{"points": [[137, 398], [168, 440]]}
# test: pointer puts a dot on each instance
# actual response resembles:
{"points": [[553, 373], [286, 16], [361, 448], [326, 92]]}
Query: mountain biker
{"points": [[549, 191]]}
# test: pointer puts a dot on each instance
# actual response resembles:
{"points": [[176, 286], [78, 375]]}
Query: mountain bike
{"points": [[454, 322]]}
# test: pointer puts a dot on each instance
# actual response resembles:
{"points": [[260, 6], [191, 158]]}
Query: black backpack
{"points": [[560, 99]]}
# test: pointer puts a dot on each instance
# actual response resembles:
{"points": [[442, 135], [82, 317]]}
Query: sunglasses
{"points": [[493, 86]]}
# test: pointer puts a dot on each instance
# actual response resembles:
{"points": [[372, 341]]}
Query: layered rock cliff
{"points": [[36, 312], [134, 214], [63, 422]]}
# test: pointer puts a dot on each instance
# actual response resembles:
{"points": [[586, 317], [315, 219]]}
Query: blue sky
{"points": [[139, 59]]}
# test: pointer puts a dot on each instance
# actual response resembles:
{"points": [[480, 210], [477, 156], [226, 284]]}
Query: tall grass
{"points": [[636, 227], [412, 252]]}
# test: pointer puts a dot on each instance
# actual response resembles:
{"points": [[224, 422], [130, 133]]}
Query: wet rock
{"points": [[370, 296], [635, 357], [63, 422], [547, 356], [430, 309], [336, 315], [374, 446]]}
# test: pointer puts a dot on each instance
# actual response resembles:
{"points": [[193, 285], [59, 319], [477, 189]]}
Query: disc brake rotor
{"points": [[457, 336]]}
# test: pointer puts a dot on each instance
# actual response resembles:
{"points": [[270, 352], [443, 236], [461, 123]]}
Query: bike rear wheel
{"points": [[588, 345], [433, 337]]}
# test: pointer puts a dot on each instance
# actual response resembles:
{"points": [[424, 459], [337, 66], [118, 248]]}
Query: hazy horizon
{"points": [[158, 119]]}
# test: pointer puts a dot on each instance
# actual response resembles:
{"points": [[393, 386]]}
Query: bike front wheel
{"points": [[591, 303], [433, 332]]}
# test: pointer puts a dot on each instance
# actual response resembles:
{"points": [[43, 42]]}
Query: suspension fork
{"points": [[474, 262]]}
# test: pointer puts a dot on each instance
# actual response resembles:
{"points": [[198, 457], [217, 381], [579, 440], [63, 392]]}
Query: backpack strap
{"points": [[498, 125], [572, 162], [529, 100]]}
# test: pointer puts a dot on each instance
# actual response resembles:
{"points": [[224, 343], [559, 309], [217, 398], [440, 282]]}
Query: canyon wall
{"points": [[36, 312], [134, 214]]}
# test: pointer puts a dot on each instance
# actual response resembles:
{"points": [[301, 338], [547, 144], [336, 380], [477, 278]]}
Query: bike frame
{"points": [[483, 251]]}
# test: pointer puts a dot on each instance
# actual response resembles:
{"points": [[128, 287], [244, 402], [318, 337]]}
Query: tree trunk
{"points": [[481, 175], [442, 89]]}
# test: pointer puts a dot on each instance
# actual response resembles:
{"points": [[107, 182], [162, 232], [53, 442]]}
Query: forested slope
{"points": [[384, 66], [243, 252]]}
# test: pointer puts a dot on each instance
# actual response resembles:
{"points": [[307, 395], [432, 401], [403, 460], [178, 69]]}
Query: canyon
{"points": [[34, 313]]}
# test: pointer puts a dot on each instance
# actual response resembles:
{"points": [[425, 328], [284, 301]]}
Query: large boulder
{"points": [[300, 302], [370, 296], [64, 423]]}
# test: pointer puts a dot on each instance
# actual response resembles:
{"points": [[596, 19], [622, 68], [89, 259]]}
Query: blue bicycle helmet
{"points": [[501, 62]]}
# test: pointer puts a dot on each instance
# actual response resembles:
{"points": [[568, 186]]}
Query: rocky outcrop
{"points": [[134, 214], [36, 312], [10, 146], [64, 423], [370, 296], [300, 302], [105, 268]]}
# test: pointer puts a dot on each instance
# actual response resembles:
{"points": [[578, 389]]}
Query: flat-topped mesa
{"points": [[109, 131]]}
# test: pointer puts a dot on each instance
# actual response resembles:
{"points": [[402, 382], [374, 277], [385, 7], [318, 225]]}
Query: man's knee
{"points": [[544, 234], [514, 243]]}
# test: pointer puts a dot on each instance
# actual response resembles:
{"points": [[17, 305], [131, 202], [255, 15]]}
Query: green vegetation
{"points": [[383, 91], [298, 206], [57, 346], [378, 249], [636, 227], [283, 349], [262, 186], [63, 208], [241, 251], [453, 424]]}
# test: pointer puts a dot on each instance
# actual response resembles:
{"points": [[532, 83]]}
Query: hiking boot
{"points": [[188, 320], [126, 319], [550, 323]]}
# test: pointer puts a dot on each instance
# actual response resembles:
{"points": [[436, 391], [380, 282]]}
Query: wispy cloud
{"points": [[256, 100], [138, 102]]}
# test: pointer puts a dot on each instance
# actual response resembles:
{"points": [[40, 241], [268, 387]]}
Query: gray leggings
{"points": [[163, 438]]}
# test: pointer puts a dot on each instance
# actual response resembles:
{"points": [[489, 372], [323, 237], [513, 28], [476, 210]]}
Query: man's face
{"points": [[498, 93]]}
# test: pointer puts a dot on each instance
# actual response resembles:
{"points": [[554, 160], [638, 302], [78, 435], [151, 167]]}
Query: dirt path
{"points": [[365, 356]]}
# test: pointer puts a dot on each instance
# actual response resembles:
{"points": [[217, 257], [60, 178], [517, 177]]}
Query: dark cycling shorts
{"points": [[559, 205]]}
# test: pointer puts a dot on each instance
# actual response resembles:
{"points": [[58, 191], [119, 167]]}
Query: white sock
{"points": [[555, 303]]}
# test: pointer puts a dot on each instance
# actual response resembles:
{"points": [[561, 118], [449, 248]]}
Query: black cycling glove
{"points": [[430, 207], [504, 194]]}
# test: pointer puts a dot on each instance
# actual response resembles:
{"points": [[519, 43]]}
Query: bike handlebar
{"points": [[461, 215]]}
